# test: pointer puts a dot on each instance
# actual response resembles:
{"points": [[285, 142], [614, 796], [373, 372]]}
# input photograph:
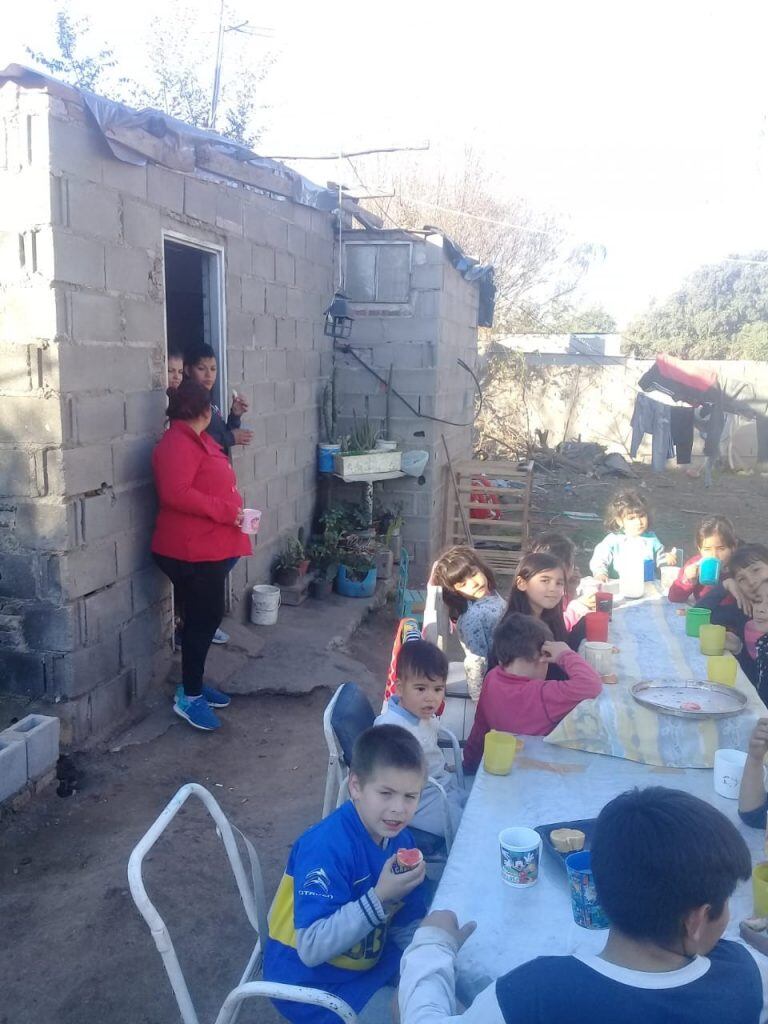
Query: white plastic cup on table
{"points": [[520, 854], [251, 520], [599, 655], [669, 574], [729, 768]]}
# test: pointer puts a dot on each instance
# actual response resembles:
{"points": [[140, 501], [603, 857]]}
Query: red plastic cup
{"points": [[597, 626], [604, 602]]}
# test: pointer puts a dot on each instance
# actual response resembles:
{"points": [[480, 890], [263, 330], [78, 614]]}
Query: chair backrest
{"points": [[352, 714], [402, 582]]}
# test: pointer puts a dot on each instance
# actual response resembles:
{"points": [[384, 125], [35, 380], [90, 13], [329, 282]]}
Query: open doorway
{"points": [[193, 305]]}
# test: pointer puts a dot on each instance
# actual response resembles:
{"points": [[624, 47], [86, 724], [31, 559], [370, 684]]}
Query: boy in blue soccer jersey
{"points": [[342, 916], [665, 864]]}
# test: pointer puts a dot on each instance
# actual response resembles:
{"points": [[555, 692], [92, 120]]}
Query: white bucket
{"points": [[265, 601]]}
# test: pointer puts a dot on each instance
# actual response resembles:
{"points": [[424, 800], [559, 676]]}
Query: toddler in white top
{"points": [[422, 670]]}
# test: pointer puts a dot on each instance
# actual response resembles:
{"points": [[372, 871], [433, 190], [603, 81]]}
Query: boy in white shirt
{"points": [[422, 670]]}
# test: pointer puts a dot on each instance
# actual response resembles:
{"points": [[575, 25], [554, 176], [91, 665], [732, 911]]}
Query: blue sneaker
{"points": [[196, 711], [215, 698]]}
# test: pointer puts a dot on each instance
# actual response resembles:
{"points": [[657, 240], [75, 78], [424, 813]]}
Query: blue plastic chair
{"points": [[410, 602]]}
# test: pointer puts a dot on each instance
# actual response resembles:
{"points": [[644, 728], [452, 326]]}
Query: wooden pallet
{"points": [[500, 540]]}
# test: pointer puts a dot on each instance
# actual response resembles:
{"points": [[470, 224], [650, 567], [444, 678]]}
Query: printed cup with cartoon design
{"points": [[585, 905], [520, 853], [728, 770]]}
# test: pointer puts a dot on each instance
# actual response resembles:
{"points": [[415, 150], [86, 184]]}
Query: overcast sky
{"points": [[644, 129]]}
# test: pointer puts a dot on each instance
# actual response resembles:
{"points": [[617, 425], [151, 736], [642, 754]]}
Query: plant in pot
{"points": [[331, 445], [389, 522], [385, 442], [288, 566], [358, 457], [356, 576], [324, 557]]}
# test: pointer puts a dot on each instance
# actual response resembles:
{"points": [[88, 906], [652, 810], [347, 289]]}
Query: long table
{"points": [[548, 784]]}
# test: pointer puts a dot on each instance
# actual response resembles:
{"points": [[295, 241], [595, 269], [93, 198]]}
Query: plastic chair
{"points": [[348, 714], [409, 603], [251, 891]]}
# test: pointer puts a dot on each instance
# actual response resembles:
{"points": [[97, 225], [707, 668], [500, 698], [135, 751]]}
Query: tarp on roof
{"points": [[142, 136]]}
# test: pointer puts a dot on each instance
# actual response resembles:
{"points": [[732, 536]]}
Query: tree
{"points": [[592, 320], [178, 76], [536, 272], [720, 312], [69, 64]]}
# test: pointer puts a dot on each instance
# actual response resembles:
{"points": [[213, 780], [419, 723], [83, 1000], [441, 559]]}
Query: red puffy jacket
{"points": [[198, 498]]}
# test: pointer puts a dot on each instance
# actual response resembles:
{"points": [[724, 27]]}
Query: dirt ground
{"points": [[74, 949]]}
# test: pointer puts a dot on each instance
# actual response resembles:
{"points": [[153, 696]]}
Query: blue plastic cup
{"points": [[587, 912], [709, 570], [649, 570]]}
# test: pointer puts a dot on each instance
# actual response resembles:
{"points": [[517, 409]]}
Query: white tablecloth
{"points": [[515, 925]]}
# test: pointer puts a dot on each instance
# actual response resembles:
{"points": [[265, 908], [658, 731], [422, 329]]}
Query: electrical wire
{"points": [[348, 350], [475, 216]]}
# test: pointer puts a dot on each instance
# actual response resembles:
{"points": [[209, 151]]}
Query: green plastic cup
{"points": [[695, 618]]}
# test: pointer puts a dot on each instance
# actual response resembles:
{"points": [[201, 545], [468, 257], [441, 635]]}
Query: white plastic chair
{"points": [[251, 891], [338, 762]]}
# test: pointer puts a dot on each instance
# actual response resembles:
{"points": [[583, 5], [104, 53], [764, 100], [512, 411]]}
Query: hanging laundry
{"points": [[681, 424], [652, 418]]}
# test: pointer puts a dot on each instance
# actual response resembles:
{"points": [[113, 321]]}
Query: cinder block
{"points": [[78, 260], [263, 260], [149, 587], [286, 333], [127, 178], [165, 188], [41, 735], [276, 365], [97, 367], [276, 492], [275, 302], [265, 332], [98, 417], [13, 764], [103, 515], [17, 474], [75, 470], [144, 321], [239, 329], [229, 209], [133, 552], [285, 268], [87, 569], [43, 526], [200, 199], [253, 295], [107, 611], [75, 150], [16, 372], [37, 420], [46, 627], [277, 428], [128, 269], [17, 575], [82, 670], [255, 366], [145, 412], [107, 704], [93, 210], [142, 225], [132, 460], [95, 317]]}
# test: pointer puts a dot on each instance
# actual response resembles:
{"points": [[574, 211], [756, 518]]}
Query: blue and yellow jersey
{"points": [[334, 863]]}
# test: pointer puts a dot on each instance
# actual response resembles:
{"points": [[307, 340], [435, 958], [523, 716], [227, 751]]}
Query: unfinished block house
{"points": [[119, 233]]}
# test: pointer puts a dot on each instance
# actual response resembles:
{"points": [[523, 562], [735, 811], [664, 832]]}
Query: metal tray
{"points": [[585, 825], [705, 700]]}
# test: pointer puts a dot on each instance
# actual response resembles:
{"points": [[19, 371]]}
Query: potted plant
{"points": [[356, 575], [358, 457], [287, 567], [385, 442], [331, 445], [388, 525], [324, 557]]}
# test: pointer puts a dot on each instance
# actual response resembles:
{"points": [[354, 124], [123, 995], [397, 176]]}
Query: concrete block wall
{"points": [[87, 617], [422, 340]]}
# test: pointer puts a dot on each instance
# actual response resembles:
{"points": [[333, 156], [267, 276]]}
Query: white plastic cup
{"points": [[729, 768], [599, 655], [520, 853], [251, 520], [669, 574]]}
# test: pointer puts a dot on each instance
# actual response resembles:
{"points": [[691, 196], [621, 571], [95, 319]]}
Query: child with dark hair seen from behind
{"points": [[665, 864], [342, 915], [517, 696], [422, 670], [200, 365]]}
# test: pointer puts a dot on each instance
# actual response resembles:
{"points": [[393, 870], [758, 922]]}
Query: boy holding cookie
{"points": [[346, 907]]}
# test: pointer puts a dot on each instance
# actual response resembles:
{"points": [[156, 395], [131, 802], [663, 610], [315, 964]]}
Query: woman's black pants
{"points": [[201, 588]]}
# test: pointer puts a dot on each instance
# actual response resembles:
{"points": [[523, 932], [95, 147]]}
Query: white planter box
{"points": [[368, 464]]}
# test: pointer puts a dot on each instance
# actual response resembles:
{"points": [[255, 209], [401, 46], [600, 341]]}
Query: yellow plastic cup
{"points": [[721, 668], [499, 752], [760, 889], [712, 639]]}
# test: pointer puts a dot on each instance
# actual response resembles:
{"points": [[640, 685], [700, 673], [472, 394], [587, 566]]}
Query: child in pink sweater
{"points": [[516, 696]]}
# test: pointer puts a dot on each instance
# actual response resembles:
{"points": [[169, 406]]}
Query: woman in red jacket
{"points": [[197, 537]]}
